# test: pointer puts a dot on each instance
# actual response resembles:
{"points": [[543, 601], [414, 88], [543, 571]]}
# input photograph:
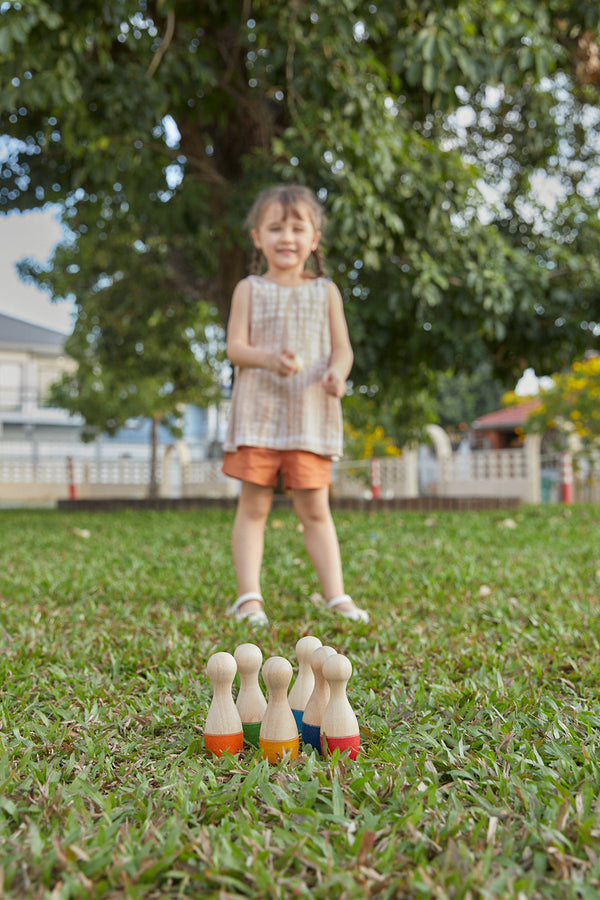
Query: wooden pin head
{"points": [[277, 674], [305, 647], [221, 668], [248, 658], [337, 670]]}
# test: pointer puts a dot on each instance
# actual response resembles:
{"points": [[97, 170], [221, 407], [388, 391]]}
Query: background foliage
{"points": [[571, 408], [429, 130]]}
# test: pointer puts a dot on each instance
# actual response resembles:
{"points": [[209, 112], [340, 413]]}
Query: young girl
{"points": [[288, 340]]}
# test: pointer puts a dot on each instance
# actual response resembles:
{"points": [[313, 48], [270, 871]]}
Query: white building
{"points": [[31, 359]]}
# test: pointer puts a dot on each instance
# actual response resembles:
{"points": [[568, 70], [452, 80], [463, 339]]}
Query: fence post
{"points": [[375, 478], [532, 449], [567, 477], [71, 479]]}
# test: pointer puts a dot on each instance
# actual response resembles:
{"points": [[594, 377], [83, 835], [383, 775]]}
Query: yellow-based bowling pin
{"points": [[278, 730]]}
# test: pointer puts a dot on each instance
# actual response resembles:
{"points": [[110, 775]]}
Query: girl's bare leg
{"points": [[247, 540], [320, 540]]}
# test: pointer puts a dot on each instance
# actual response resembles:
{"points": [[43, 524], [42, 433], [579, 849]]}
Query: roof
{"points": [[19, 335], [506, 419]]}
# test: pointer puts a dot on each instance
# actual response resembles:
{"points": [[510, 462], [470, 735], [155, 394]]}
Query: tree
{"points": [[368, 423], [464, 397], [144, 347], [136, 359], [571, 407], [156, 122]]}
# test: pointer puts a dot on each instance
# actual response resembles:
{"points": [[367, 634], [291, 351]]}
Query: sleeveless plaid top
{"points": [[293, 413]]}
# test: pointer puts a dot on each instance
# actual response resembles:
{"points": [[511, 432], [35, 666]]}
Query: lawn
{"points": [[476, 686]]}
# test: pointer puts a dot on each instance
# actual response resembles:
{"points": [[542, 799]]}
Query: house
{"points": [[32, 357], [501, 429]]}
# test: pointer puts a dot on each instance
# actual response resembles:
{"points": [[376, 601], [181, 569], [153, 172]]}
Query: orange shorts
{"points": [[299, 468]]}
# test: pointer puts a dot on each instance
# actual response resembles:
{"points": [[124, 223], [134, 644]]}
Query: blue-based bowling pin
{"points": [[305, 680], [315, 707]]}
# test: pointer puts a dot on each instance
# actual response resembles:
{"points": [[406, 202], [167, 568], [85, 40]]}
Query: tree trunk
{"points": [[153, 486]]}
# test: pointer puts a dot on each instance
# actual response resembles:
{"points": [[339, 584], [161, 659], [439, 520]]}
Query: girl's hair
{"points": [[289, 195]]}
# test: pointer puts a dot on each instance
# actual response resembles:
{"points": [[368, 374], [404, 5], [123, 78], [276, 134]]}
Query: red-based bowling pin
{"points": [[250, 702], [278, 730], [339, 725], [223, 730], [315, 706], [305, 680]]}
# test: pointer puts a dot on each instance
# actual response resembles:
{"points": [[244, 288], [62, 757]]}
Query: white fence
{"points": [[515, 473], [493, 473], [397, 476], [46, 481]]}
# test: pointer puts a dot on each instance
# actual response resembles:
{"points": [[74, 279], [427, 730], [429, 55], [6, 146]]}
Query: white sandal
{"points": [[356, 614], [255, 616]]}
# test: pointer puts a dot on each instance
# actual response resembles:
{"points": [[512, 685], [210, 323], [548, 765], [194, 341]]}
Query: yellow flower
{"points": [[592, 365]]}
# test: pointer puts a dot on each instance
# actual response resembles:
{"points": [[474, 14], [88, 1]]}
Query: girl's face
{"points": [[286, 240]]}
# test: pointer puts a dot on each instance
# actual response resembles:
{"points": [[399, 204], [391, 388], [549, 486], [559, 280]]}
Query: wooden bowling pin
{"points": [[305, 680], [339, 725], [250, 702], [223, 730], [278, 730], [315, 706]]}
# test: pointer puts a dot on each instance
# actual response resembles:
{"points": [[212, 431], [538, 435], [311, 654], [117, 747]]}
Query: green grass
{"points": [[476, 686]]}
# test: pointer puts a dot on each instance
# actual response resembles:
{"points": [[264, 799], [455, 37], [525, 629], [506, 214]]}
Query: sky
{"points": [[29, 235]]}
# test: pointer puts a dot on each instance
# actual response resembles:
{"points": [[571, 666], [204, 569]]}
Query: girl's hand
{"points": [[284, 364], [333, 384]]}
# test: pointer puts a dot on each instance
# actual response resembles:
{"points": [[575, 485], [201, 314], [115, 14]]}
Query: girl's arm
{"points": [[239, 349], [342, 357]]}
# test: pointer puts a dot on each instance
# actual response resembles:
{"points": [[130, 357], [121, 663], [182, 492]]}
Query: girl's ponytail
{"points": [[255, 262], [319, 262]]}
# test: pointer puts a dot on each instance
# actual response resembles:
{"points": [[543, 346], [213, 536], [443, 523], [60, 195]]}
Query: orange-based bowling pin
{"points": [[313, 713], [305, 680], [223, 730], [278, 730], [250, 702], [339, 725]]}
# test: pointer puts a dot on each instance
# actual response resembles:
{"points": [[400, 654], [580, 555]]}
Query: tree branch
{"points": [[164, 44]]}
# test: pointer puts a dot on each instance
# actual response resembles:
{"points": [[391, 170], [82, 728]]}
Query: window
{"points": [[47, 375], [11, 385]]}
